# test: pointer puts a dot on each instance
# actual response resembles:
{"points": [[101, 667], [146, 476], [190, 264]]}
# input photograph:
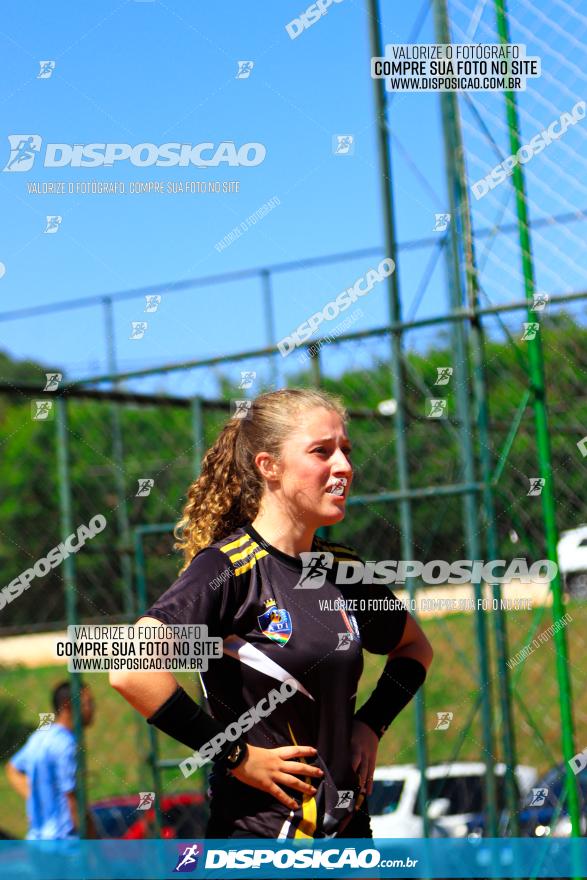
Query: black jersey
{"points": [[247, 592]]}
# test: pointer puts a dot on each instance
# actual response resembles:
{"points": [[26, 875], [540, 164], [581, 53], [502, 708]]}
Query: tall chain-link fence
{"points": [[144, 477]]}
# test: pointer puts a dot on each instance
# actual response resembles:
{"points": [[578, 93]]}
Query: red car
{"points": [[184, 816]]}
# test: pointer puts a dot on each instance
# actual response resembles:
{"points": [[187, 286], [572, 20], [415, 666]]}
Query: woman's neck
{"points": [[283, 534]]}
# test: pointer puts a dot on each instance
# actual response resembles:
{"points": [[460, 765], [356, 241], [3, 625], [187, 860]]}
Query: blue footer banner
{"points": [[412, 858]]}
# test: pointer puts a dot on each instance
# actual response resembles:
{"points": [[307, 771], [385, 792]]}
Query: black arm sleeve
{"points": [[181, 718], [400, 679]]}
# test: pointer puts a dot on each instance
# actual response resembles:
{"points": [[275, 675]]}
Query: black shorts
{"points": [[359, 827]]}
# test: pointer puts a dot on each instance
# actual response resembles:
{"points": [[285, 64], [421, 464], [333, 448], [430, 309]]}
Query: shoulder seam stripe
{"points": [[235, 558], [233, 544], [242, 568]]}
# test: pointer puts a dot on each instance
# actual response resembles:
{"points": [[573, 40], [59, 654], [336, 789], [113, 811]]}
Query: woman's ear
{"points": [[268, 466]]}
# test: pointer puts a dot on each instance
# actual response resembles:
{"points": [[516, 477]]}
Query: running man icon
{"points": [[23, 152], [188, 859], [315, 568]]}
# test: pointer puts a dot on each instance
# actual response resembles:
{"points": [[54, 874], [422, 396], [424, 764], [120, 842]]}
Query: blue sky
{"points": [[158, 72]]}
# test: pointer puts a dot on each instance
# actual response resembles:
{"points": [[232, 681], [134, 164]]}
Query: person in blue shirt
{"points": [[44, 770]]}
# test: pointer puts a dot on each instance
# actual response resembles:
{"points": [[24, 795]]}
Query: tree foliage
{"points": [[158, 443]]}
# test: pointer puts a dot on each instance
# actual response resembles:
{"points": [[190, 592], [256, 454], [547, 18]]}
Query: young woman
{"points": [[307, 759]]}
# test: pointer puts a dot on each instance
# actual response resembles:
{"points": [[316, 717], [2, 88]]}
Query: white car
{"points": [[572, 560], [455, 797]]}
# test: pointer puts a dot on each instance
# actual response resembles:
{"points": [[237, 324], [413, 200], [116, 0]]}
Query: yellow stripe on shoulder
{"points": [[244, 539], [252, 548], [247, 565]]}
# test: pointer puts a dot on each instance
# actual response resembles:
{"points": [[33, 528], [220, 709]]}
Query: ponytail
{"points": [[222, 498]]}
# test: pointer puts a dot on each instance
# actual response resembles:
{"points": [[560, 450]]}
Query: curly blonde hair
{"points": [[229, 489]]}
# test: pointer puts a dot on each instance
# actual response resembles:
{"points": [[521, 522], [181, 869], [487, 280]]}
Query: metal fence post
{"points": [[122, 518], [198, 432], [153, 749], [66, 529], [400, 423]]}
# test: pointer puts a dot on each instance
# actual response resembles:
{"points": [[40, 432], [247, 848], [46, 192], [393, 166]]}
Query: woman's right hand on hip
{"points": [[269, 769]]}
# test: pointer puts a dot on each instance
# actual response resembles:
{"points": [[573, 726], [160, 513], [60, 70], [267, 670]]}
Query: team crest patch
{"points": [[275, 623]]}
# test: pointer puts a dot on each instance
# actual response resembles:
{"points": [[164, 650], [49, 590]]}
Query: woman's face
{"points": [[314, 461]]}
